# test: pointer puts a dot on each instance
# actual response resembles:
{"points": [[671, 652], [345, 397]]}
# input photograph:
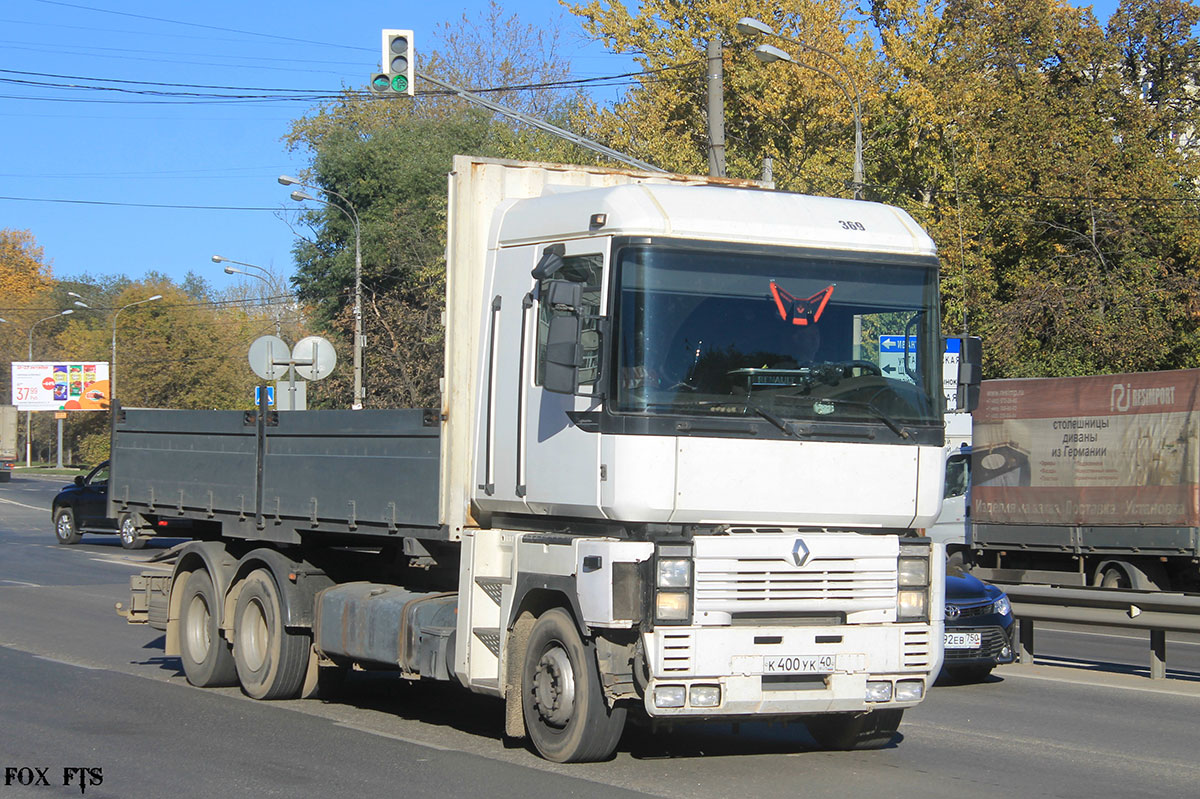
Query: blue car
{"points": [[979, 629]]}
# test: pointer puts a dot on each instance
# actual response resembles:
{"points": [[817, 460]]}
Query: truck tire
{"points": [[271, 660], [1114, 577], [128, 531], [64, 527], [564, 708], [874, 729], [206, 655]]}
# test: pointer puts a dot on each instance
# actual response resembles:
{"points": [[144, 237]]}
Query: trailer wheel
{"points": [[1114, 577], [128, 530], [874, 729], [271, 660], [206, 655], [565, 712], [64, 527]]}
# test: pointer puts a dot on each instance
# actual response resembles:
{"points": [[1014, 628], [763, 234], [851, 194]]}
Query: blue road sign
{"points": [[270, 396]]}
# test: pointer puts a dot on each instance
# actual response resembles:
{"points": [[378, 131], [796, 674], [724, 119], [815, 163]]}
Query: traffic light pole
{"points": [[540, 124]]}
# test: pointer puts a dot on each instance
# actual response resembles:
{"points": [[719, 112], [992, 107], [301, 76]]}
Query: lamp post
{"points": [[265, 277], [29, 414], [352, 215], [767, 54], [112, 364]]}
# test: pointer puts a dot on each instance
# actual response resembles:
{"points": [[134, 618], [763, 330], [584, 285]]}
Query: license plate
{"points": [[964, 640], [798, 664]]}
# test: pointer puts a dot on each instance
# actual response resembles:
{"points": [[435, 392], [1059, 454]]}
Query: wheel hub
{"points": [[554, 687]]}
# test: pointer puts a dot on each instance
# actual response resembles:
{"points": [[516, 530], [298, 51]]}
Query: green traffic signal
{"points": [[400, 83]]}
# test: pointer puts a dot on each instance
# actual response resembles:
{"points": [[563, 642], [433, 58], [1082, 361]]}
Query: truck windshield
{"points": [[704, 331]]}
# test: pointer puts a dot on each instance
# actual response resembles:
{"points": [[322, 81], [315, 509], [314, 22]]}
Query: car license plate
{"points": [[798, 664], [964, 640]]}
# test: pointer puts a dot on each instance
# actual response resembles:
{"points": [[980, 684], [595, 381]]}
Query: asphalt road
{"points": [[81, 688]]}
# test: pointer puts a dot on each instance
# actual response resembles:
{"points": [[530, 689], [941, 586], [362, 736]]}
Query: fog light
{"points": [[668, 696], [1005, 653], [673, 606], [910, 690], [704, 695], [879, 691], [911, 605]]}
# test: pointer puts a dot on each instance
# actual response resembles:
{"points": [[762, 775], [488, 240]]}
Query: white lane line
{"points": [[393, 736], [1119, 636], [22, 505], [21, 583]]}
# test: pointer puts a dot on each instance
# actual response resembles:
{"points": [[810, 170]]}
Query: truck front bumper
{"points": [[699, 672]]}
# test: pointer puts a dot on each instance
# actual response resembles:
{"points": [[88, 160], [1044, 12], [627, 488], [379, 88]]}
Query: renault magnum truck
{"points": [[672, 475]]}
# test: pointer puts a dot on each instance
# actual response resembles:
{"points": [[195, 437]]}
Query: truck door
{"points": [[559, 464]]}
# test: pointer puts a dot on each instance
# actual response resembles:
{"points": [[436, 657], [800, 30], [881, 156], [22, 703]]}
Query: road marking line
{"points": [[21, 583], [22, 505]]}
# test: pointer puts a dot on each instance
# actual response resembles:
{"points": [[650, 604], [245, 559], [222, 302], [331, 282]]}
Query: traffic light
{"points": [[398, 63]]}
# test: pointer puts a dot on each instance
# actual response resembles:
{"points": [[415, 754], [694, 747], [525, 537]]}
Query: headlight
{"points": [[704, 696], [913, 571], [669, 696], [673, 606], [1001, 606], [912, 605], [674, 573]]}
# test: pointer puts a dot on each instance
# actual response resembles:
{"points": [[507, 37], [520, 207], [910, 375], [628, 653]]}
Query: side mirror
{"points": [[551, 261], [79, 480], [970, 371], [563, 338]]}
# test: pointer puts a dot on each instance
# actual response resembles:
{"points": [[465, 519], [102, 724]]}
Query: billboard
{"points": [[60, 385], [1112, 450]]}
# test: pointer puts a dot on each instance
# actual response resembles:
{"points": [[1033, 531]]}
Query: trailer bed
{"points": [[288, 477]]}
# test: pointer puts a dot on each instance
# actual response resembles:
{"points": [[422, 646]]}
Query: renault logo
{"points": [[800, 553]]}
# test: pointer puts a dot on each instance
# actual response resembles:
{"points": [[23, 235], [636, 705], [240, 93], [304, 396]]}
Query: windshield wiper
{"points": [[772, 418], [869, 405]]}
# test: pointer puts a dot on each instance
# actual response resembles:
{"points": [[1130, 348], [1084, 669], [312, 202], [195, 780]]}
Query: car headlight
{"points": [[1002, 606]]}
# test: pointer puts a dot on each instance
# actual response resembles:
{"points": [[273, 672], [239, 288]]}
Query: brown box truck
{"points": [[1088, 481]]}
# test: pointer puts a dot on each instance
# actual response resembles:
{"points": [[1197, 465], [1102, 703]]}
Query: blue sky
{"points": [[86, 169]]}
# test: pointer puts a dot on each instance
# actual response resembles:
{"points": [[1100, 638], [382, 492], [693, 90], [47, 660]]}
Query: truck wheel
{"points": [[1114, 578], [64, 527], [845, 731], [271, 660], [128, 530], [207, 658], [565, 712]]}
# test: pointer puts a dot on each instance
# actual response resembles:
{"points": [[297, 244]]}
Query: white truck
{"points": [[8, 441], [668, 476]]}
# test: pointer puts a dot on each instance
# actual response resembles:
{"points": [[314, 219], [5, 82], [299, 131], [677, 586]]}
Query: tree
{"points": [[24, 270], [389, 158]]}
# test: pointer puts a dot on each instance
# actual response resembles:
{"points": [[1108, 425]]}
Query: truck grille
{"points": [[759, 573]]}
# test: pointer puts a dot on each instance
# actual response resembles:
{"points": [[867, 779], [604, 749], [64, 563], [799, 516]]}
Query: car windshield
{"points": [[712, 332]]}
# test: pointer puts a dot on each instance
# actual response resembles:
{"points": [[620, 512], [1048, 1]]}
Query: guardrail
{"points": [[1154, 612]]}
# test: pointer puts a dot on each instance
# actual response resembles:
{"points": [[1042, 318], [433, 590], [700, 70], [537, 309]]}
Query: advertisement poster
{"points": [[60, 385], [1111, 450]]}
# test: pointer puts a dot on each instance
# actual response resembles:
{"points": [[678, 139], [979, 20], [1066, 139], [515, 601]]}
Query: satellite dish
{"points": [[314, 357], [269, 357]]}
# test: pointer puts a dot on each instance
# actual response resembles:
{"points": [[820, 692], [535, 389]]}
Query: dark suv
{"points": [[83, 508]]}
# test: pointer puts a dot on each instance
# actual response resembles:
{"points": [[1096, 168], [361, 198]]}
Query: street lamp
{"points": [[29, 414], [768, 54], [112, 364], [265, 277], [352, 215]]}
